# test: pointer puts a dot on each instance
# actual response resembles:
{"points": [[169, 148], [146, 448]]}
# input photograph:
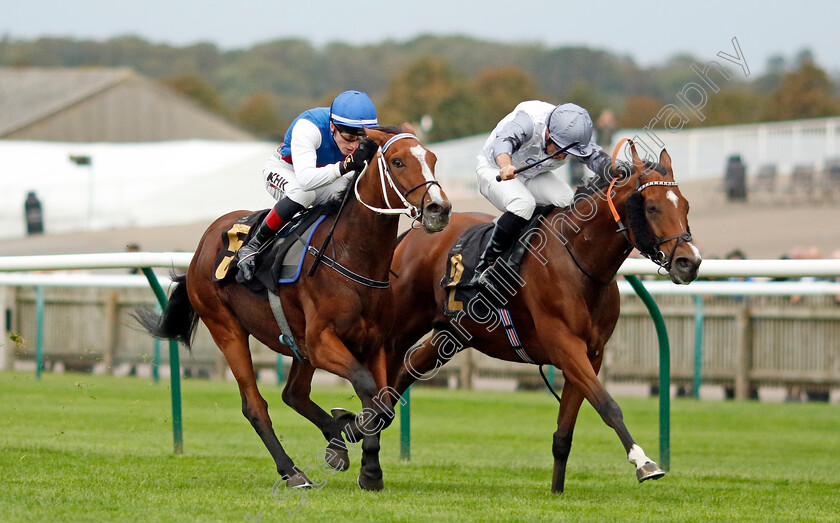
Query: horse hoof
{"points": [[338, 412], [342, 415], [299, 480], [337, 459], [649, 470], [370, 483], [347, 423]]}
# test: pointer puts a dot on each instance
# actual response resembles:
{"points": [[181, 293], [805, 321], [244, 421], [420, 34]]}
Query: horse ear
{"points": [[665, 161], [407, 127], [638, 164], [377, 136]]}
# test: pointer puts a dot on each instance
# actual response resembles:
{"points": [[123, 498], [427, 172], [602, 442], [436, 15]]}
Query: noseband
{"points": [[407, 208], [656, 255]]}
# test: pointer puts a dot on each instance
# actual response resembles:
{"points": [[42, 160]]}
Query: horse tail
{"points": [[177, 322]]}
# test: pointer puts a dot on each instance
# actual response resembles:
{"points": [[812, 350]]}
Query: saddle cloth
{"points": [[281, 262], [464, 256]]}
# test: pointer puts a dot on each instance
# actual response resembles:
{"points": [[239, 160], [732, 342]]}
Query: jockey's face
{"points": [[345, 146], [551, 148]]}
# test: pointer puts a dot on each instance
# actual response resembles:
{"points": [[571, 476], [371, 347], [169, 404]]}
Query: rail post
{"points": [[39, 330], [405, 426], [698, 345], [281, 371], [174, 367], [664, 372]]}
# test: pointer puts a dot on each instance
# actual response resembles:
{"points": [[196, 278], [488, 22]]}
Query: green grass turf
{"points": [[91, 448]]}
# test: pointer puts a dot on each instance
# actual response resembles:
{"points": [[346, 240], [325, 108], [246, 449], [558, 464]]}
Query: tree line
{"points": [[461, 85]]}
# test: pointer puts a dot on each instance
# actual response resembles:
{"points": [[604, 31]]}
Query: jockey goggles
{"points": [[350, 134]]}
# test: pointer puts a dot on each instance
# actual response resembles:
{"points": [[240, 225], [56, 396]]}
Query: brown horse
{"points": [[340, 323], [566, 302]]}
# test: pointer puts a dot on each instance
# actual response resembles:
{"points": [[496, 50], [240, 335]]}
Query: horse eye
{"points": [[397, 162], [652, 209]]}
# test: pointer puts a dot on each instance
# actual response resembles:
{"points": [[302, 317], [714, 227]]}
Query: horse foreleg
{"points": [[577, 368], [329, 353], [646, 468], [570, 402], [406, 367], [296, 394], [370, 475], [233, 342]]}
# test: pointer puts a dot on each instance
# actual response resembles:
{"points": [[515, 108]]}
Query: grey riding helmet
{"points": [[569, 123]]}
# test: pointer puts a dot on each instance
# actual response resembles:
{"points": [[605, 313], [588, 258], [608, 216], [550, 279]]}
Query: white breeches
{"points": [[521, 195]]}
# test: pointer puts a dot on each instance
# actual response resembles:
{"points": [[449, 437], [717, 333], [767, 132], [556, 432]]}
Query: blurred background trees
{"points": [[457, 86]]}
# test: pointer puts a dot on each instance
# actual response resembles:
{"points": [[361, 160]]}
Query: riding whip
{"points": [[526, 167]]}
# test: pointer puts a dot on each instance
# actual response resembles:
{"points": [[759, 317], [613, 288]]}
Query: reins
{"points": [[328, 239]]}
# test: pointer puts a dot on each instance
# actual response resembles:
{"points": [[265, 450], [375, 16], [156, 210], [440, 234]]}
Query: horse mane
{"points": [[603, 179], [391, 129], [636, 219]]}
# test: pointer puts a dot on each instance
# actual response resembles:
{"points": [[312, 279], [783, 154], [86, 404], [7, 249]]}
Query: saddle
{"points": [[464, 256], [281, 262]]}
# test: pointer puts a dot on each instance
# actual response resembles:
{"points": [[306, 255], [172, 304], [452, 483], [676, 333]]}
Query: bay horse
{"points": [[340, 324], [567, 302]]}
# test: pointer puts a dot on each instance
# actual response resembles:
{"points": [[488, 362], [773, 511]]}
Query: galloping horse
{"points": [[568, 303], [340, 323]]}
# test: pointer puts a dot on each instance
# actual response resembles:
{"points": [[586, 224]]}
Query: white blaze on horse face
{"points": [[419, 152], [675, 200], [696, 251], [673, 197]]}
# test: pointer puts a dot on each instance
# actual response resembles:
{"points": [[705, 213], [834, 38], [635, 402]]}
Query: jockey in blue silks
{"points": [[320, 147]]}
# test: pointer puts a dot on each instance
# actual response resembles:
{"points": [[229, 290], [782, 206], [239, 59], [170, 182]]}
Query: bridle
{"points": [[407, 208], [656, 254]]}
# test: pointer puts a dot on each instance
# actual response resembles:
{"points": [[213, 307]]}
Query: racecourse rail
{"points": [[631, 269]]}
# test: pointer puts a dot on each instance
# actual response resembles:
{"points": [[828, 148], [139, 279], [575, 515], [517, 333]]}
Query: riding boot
{"points": [[508, 227], [282, 212]]}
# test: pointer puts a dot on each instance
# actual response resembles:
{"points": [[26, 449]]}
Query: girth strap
{"points": [[513, 337], [347, 273], [286, 338]]}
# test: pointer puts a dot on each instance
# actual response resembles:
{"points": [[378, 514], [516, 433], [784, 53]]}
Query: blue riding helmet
{"points": [[354, 110], [569, 123]]}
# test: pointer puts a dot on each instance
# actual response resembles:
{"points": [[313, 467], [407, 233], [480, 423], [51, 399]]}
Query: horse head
{"points": [[657, 215], [406, 172]]}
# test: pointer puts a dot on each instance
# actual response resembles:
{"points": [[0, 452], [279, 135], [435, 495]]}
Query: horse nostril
{"points": [[434, 209], [685, 264]]}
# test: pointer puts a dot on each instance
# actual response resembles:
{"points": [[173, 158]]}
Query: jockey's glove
{"points": [[356, 161]]}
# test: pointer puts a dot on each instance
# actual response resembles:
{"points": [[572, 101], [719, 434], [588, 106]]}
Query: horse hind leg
{"points": [[233, 342], [296, 394]]}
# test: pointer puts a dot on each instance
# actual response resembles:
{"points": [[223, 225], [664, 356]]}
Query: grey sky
{"points": [[647, 30]]}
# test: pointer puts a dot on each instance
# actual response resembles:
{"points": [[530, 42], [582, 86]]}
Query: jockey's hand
{"points": [[507, 172], [357, 160], [620, 169], [367, 150]]}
